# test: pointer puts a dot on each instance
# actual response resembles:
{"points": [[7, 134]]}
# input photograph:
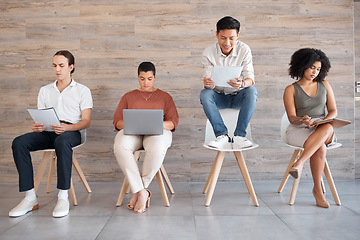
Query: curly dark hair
{"points": [[304, 58]]}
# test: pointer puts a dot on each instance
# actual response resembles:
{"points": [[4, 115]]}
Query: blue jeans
{"points": [[245, 100], [63, 144]]}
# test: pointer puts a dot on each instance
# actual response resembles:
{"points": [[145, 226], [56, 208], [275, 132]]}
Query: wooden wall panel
{"points": [[357, 79], [110, 38]]}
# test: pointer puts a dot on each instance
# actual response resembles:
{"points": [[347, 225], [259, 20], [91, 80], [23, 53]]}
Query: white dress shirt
{"points": [[69, 103], [239, 56]]}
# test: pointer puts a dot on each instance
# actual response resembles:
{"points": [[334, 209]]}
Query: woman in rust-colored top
{"points": [[146, 97]]}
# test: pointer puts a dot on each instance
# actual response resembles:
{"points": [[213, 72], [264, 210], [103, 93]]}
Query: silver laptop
{"points": [[143, 121]]}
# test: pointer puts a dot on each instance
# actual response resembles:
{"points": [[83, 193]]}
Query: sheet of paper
{"points": [[46, 116], [223, 74]]}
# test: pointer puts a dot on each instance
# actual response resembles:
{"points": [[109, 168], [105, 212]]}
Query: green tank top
{"points": [[315, 107]]}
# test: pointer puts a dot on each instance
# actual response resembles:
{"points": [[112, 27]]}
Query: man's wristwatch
{"points": [[243, 84]]}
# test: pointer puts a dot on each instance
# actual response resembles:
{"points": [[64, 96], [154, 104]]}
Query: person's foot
{"points": [[24, 207], [320, 200], [241, 142], [221, 142], [143, 201], [62, 208], [296, 169], [132, 202]]}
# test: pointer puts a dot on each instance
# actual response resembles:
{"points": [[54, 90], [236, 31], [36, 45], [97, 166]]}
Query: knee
{"points": [[329, 129], [17, 143], [251, 93], [206, 95], [159, 148], [61, 143], [121, 148]]}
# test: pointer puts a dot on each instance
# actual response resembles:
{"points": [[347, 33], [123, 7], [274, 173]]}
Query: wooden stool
{"points": [[229, 117]]}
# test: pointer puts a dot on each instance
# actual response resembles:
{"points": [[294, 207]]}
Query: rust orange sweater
{"points": [[158, 100]]}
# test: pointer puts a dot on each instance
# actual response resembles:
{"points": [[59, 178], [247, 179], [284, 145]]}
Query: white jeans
{"points": [[155, 149]]}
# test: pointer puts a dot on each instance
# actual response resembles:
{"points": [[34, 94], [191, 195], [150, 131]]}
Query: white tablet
{"points": [[223, 74]]}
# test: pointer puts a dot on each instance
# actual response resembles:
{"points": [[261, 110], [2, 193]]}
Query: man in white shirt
{"points": [[241, 93], [72, 102]]}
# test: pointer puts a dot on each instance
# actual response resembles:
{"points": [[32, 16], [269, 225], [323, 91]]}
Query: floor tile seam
{"points": [[348, 208], [14, 225], [188, 184], [318, 213], [101, 230], [277, 216]]}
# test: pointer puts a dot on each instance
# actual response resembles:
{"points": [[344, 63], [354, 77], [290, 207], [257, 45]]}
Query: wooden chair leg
{"points": [[323, 185], [166, 179], [81, 174], [294, 157], [72, 193], [162, 189], [127, 190], [217, 167], [51, 171], [124, 187], [294, 190], [211, 174], [331, 183], [41, 169], [245, 173], [137, 155]]}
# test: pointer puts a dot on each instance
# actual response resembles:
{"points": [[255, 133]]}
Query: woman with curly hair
{"points": [[307, 101]]}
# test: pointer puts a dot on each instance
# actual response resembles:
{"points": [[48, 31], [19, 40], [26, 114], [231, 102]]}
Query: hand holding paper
{"points": [[38, 127], [221, 75], [46, 117]]}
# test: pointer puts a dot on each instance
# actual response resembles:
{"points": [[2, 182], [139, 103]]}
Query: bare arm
{"points": [[330, 101], [289, 103]]}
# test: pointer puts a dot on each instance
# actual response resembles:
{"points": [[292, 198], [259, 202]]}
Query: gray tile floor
{"points": [[231, 214]]}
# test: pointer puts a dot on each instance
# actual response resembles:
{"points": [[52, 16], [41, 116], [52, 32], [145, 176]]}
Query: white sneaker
{"points": [[220, 142], [24, 207], [241, 142], [61, 209]]}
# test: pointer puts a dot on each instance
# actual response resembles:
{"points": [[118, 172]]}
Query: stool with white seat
{"points": [[229, 117], [161, 176], [297, 152], [50, 153]]}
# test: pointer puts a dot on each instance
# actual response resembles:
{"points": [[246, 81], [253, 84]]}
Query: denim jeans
{"points": [[63, 144], [245, 100]]}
